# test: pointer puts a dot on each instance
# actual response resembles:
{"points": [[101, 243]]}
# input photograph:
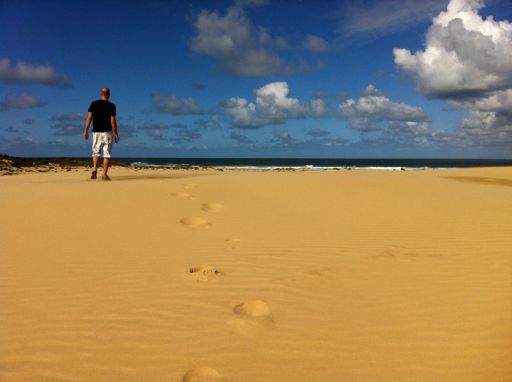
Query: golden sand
{"points": [[171, 275]]}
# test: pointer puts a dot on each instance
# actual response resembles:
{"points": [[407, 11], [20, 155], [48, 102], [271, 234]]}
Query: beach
{"points": [[195, 275]]}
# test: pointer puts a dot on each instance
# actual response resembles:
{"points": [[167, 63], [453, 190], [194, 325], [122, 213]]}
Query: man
{"points": [[102, 113]]}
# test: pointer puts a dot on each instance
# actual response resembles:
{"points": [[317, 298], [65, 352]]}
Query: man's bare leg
{"points": [[94, 166], [106, 164]]}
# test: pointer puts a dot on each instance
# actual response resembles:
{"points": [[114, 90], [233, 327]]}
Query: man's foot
{"points": [[105, 177], [94, 174]]}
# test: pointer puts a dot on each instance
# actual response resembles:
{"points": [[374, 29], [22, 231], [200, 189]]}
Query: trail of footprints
{"points": [[402, 254], [251, 318], [196, 221]]}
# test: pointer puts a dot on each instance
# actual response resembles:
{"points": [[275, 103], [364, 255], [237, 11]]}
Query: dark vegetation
{"points": [[14, 165]]}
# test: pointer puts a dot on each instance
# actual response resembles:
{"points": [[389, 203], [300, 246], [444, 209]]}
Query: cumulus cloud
{"points": [[315, 44], [407, 132], [67, 128], [318, 107], [273, 106], [490, 120], [68, 124], [28, 73], [181, 132], [155, 130], [467, 61], [211, 123], [171, 104], [240, 48], [237, 135], [185, 136], [358, 19], [23, 101], [465, 55], [373, 107], [283, 137]]}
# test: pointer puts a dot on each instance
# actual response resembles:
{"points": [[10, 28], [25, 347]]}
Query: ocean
{"points": [[312, 163]]}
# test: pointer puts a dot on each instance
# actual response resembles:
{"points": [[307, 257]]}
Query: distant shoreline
{"points": [[14, 165]]}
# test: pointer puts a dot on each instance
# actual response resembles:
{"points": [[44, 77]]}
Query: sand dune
{"points": [[368, 276]]}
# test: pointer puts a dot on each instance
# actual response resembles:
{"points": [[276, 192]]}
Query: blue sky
{"points": [[259, 78]]}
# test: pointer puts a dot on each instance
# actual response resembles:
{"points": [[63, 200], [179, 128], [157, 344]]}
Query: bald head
{"points": [[105, 93]]}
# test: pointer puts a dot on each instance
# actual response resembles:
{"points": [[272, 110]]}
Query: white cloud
{"points": [[182, 133], [185, 136], [491, 118], [156, 130], [283, 137], [315, 44], [25, 72], [374, 107], [318, 107], [273, 106], [67, 128], [467, 61], [240, 48], [465, 55], [23, 101], [384, 17], [171, 104]]}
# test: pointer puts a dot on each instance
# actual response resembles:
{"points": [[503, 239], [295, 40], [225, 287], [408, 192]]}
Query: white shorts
{"points": [[102, 142]]}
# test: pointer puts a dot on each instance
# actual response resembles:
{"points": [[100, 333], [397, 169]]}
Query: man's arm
{"points": [[87, 125], [113, 121]]}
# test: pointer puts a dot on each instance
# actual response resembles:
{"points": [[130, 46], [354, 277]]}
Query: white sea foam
{"points": [[308, 167]]}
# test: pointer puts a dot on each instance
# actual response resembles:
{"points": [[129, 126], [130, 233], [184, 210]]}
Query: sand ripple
{"points": [[202, 374]]}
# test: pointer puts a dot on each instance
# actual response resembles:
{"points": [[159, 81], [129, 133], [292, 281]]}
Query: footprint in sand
{"points": [[253, 319], [182, 195], [400, 254], [212, 207], [317, 273], [204, 273], [195, 222], [253, 308], [232, 242], [189, 186], [202, 374]]}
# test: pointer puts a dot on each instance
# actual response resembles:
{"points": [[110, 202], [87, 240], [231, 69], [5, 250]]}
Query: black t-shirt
{"points": [[101, 111]]}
